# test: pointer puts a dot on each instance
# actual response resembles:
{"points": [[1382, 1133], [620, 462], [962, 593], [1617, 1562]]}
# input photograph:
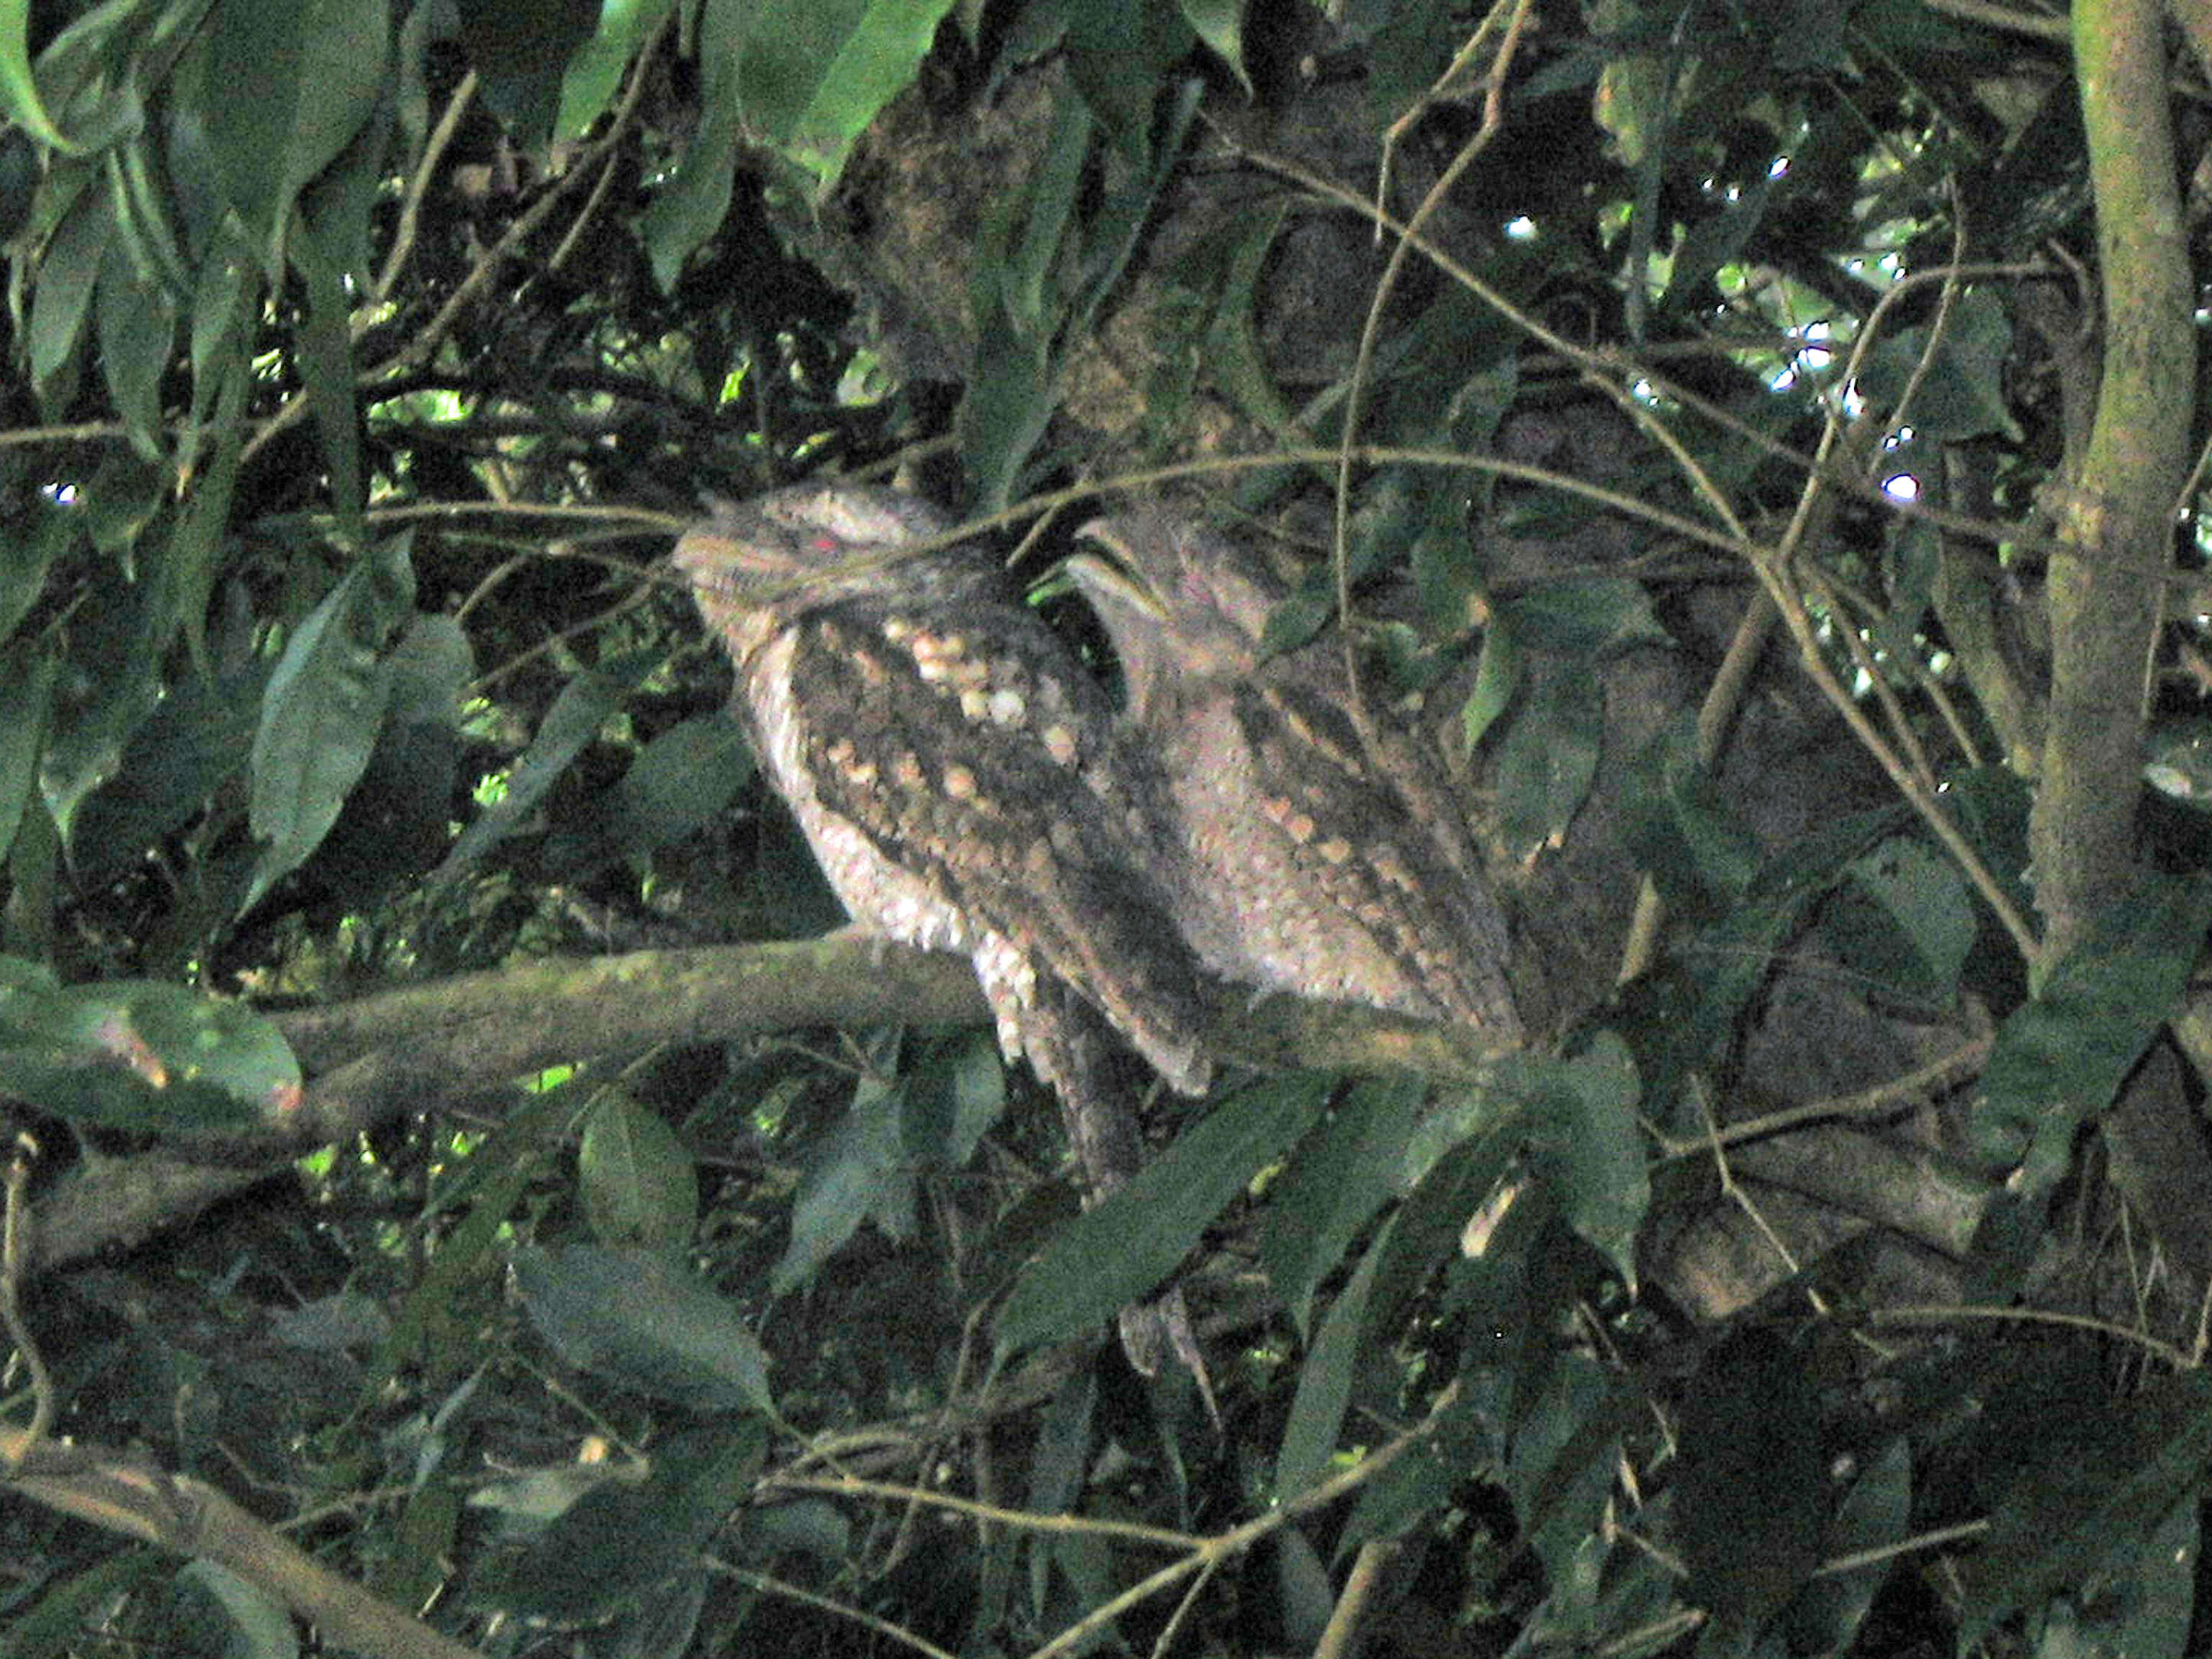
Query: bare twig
{"points": [[13, 1254]]}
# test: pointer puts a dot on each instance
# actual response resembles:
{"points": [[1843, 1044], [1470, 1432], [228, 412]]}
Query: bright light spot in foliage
{"points": [[1901, 487], [1522, 229]]}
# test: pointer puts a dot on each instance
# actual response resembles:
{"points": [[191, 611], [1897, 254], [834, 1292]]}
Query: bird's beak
{"points": [[1120, 579], [700, 551], [723, 551]]}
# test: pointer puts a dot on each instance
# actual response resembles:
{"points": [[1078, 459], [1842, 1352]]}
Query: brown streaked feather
{"points": [[980, 759], [1317, 858]]}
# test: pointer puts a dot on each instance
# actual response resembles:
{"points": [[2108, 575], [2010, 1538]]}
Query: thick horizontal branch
{"points": [[372, 1059], [124, 1493]]}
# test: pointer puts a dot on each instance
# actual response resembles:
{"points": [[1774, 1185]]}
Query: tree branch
{"points": [[2117, 525], [371, 1060], [125, 1493]]}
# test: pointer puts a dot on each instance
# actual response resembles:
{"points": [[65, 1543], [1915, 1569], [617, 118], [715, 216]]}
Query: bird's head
{"points": [[775, 556], [1177, 600]]}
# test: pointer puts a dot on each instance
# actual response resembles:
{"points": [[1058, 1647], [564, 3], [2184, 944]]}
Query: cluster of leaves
{"points": [[326, 319]]}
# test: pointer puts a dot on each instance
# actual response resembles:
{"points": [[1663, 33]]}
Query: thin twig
{"points": [[1340, 1635], [633, 96], [1020, 1520], [768, 1586], [1236, 1540], [1370, 334], [418, 185], [2165, 1352], [1946, 1072], [13, 1260]]}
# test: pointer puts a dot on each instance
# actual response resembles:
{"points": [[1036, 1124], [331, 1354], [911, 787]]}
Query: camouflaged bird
{"points": [[1315, 859], [962, 781]]}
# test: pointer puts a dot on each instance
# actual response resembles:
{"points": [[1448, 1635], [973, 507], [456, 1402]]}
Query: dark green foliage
{"points": [[361, 360]]}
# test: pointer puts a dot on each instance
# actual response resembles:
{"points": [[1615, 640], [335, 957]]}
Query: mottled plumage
{"points": [[1313, 860], [962, 783]]}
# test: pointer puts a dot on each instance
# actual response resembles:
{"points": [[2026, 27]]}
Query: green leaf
{"points": [[642, 1319], [334, 228], [136, 323], [2085, 1516], [1117, 56], [316, 68], [2061, 1055], [1712, 241], [637, 1183], [1408, 1495], [950, 1098], [1963, 395], [623, 1539], [1876, 1515], [1304, 1597], [1583, 618], [1731, 958], [106, 688], [1631, 99], [861, 1170], [222, 379], [1681, 827], [437, 1326], [147, 1055], [1587, 1144], [1497, 676], [143, 212], [687, 208], [1060, 1456], [325, 704], [522, 49], [1220, 334], [1341, 1174], [2158, 1617], [1562, 1456], [1008, 405], [1915, 548], [681, 780], [814, 73], [325, 358], [18, 88], [1299, 615], [1903, 919], [29, 544], [431, 668], [1114, 1254], [1219, 23], [260, 1627], [63, 299], [1021, 282], [27, 688], [198, 737], [73, 1602], [1026, 243], [1325, 1384], [595, 70], [577, 714], [1550, 752]]}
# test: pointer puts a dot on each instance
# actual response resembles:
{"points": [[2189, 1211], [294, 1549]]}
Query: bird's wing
{"points": [[1367, 849], [972, 751]]}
